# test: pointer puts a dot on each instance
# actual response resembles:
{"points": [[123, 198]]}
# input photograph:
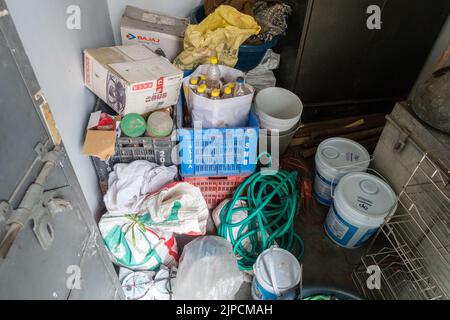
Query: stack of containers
{"points": [[222, 153], [279, 111], [132, 82], [360, 202]]}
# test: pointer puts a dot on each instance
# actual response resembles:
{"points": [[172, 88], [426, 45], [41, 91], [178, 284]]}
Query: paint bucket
{"points": [[361, 204], [159, 124], [136, 285], [278, 108], [133, 125], [336, 157], [164, 284], [277, 275]]}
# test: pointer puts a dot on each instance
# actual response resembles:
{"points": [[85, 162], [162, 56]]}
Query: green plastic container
{"points": [[133, 125]]}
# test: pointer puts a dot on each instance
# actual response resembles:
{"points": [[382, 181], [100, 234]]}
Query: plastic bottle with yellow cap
{"points": [[201, 90], [193, 83], [227, 93], [215, 94], [213, 74]]}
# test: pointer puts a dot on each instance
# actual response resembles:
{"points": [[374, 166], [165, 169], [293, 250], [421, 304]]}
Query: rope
{"points": [[272, 202]]}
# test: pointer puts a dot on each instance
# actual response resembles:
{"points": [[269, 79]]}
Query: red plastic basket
{"points": [[216, 189]]}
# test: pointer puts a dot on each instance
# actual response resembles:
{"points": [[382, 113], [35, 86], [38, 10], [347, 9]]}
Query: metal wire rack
{"points": [[419, 236]]}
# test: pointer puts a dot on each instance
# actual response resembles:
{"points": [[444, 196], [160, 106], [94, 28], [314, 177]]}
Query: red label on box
{"points": [[160, 85], [87, 66], [142, 86]]}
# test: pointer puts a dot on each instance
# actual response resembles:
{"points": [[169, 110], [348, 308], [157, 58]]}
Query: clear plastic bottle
{"points": [[201, 90], [202, 80], [213, 75], [241, 88], [215, 94], [193, 83], [227, 93], [231, 85]]}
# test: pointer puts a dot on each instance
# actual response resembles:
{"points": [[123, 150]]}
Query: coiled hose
{"points": [[272, 202]]}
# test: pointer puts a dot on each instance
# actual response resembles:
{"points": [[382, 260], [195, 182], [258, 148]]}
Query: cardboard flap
{"points": [[140, 71], [100, 144], [137, 53]]}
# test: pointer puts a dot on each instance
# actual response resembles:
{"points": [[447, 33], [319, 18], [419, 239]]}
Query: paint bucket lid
{"points": [[136, 285], [342, 155], [286, 269], [133, 125], [165, 284], [365, 197], [159, 124]]}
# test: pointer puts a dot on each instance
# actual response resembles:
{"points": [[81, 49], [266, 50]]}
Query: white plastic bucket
{"points": [[361, 204], [284, 138], [277, 275], [278, 108], [336, 157]]}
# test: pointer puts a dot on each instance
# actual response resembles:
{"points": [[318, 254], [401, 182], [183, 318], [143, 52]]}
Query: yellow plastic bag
{"points": [[221, 33]]}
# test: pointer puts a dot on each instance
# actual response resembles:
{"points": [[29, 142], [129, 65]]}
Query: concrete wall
{"points": [[441, 44], [177, 8], [55, 53]]}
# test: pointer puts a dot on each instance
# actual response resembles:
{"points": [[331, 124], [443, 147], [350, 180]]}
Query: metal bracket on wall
{"points": [[42, 226], [400, 144], [5, 211], [32, 207]]}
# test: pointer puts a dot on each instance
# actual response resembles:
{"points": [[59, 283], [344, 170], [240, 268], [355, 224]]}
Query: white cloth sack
{"points": [[178, 207], [208, 270], [226, 113], [129, 183], [133, 245]]}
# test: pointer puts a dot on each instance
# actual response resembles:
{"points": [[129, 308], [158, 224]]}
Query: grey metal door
{"points": [[50, 247]]}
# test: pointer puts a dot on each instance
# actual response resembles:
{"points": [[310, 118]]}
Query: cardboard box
{"points": [[99, 143], [132, 79], [163, 34]]}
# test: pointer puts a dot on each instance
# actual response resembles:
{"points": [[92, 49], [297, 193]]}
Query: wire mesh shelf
{"points": [[419, 234]]}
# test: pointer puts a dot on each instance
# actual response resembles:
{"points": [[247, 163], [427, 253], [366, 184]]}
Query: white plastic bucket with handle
{"points": [[334, 158], [361, 204], [277, 275]]}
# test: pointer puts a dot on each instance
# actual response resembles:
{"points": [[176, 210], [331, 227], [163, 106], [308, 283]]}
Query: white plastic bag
{"points": [[224, 113], [131, 244], [129, 183], [261, 76], [208, 270], [178, 207]]}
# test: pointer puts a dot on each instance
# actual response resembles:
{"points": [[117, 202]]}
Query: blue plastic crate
{"points": [[217, 152]]}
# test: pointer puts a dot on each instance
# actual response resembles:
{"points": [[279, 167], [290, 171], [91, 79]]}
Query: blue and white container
{"points": [[335, 157], [277, 275], [361, 204]]}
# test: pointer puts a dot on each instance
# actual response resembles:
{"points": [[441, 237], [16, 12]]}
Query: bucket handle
{"points": [[272, 274]]}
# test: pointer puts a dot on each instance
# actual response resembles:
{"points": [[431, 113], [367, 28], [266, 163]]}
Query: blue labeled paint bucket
{"points": [[335, 157], [361, 204], [277, 275]]}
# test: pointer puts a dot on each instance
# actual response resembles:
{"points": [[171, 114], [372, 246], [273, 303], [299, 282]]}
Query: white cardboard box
{"points": [[132, 79], [163, 34]]}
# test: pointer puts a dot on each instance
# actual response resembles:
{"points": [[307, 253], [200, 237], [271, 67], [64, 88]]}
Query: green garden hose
{"points": [[272, 202]]}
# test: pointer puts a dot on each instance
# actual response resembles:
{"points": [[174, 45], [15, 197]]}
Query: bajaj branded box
{"points": [[163, 34], [132, 79]]}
